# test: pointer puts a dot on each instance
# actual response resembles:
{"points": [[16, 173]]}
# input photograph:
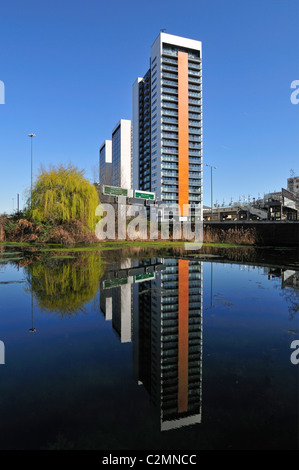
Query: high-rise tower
{"points": [[167, 122]]}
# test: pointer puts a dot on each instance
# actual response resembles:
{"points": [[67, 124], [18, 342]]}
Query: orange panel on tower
{"points": [[183, 127]]}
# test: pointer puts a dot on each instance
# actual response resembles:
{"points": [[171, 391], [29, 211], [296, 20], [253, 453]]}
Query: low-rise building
{"points": [[105, 176], [116, 157]]}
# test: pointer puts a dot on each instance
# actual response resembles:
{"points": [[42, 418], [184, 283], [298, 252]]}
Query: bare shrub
{"points": [[235, 236]]}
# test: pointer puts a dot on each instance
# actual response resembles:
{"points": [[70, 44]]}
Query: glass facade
{"points": [[105, 176], [145, 133], [160, 117], [116, 176], [170, 139]]}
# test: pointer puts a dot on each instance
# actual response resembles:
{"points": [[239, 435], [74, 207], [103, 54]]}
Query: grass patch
{"points": [[63, 257], [15, 244], [5, 260], [114, 245]]}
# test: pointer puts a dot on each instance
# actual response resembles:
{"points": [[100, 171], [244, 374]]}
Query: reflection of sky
{"points": [[58, 342], [243, 302], [75, 370], [252, 294], [248, 315]]}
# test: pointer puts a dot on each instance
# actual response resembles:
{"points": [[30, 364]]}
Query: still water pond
{"points": [[147, 352]]}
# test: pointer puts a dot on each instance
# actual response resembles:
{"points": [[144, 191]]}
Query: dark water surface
{"points": [[151, 351]]}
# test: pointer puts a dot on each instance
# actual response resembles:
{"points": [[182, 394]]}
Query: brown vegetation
{"points": [[74, 231], [232, 236], [22, 230]]}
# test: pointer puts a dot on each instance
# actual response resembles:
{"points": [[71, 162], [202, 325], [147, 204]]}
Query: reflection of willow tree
{"points": [[65, 285], [291, 296]]}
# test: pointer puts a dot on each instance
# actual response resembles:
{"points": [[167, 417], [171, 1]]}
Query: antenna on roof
{"points": [[163, 30]]}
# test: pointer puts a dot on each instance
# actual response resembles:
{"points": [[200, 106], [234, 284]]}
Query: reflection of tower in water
{"points": [[116, 304], [162, 300], [168, 341]]}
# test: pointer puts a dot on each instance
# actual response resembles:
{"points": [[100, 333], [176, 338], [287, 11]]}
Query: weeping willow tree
{"points": [[62, 194], [65, 285]]}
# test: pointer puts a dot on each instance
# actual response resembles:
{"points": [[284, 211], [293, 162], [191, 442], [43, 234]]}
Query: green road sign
{"points": [[114, 191], [144, 195], [143, 277], [108, 283]]}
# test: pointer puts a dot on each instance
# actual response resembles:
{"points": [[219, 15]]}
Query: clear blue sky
{"points": [[68, 68]]}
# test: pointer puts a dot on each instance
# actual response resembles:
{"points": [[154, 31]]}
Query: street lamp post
{"points": [[212, 167], [31, 135]]}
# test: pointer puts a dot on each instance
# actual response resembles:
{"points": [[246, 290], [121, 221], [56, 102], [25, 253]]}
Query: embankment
{"points": [[268, 233]]}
